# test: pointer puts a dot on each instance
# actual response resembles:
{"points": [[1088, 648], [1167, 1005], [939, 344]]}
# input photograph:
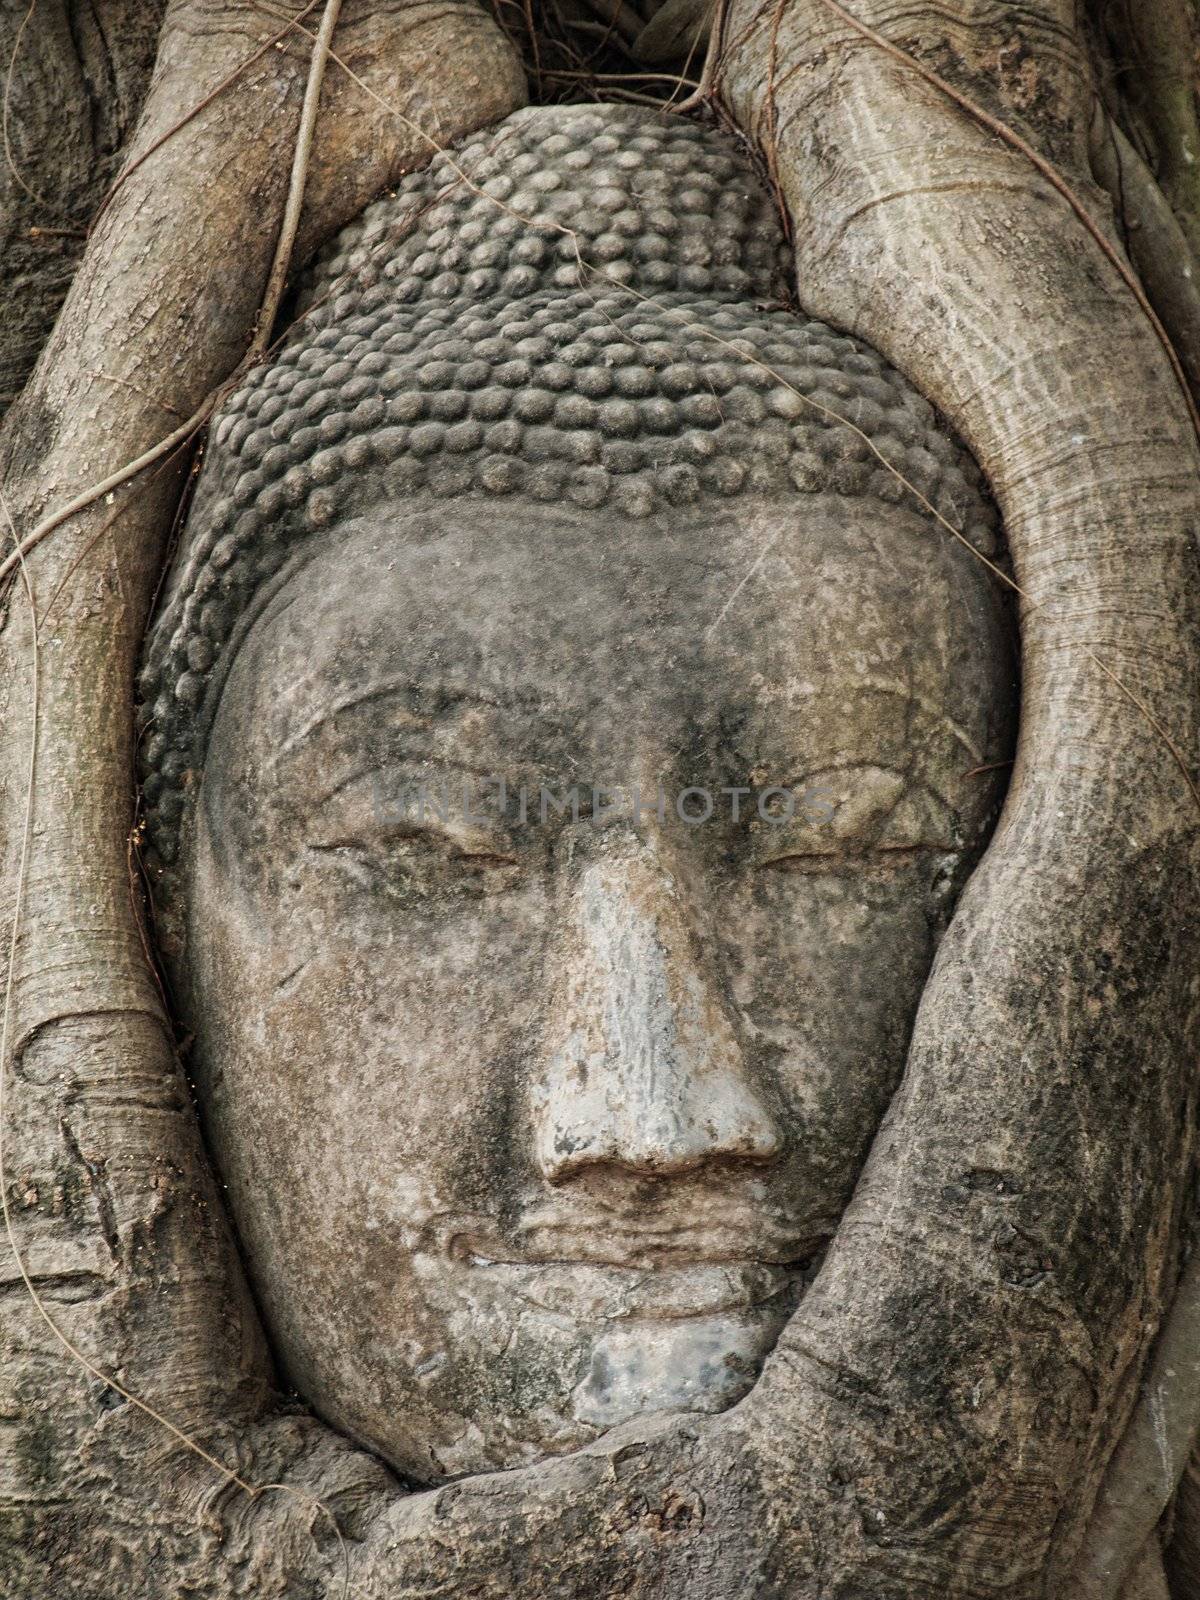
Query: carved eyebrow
{"points": [[935, 710], [754, 749], [449, 698], [467, 769]]}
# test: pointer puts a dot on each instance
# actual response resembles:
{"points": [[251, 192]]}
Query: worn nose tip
{"points": [[622, 1131], [643, 1071]]}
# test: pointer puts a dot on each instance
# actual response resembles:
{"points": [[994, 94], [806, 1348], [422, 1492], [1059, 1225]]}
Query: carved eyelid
{"points": [[437, 858], [828, 860], [364, 821], [435, 835]]}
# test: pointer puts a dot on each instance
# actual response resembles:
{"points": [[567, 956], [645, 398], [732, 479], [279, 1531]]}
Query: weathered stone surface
{"points": [[449, 350], [537, 1109]]}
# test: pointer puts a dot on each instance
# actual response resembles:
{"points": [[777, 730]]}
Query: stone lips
{"points": [[493, 335]]}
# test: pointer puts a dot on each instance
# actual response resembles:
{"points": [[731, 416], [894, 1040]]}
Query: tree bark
{"points": [[75, 79]]}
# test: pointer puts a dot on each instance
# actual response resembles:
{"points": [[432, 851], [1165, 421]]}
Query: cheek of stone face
{"points": [[827, 970], [362, 1111]]}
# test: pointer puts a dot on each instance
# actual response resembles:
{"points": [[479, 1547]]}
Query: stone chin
{"points": [[701, 1364]]}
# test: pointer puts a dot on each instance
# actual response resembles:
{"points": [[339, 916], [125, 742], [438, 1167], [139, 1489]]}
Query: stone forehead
{"points": [[584, 304]]}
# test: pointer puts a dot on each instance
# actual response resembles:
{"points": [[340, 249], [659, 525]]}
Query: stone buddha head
{"points": [[565, 738]]}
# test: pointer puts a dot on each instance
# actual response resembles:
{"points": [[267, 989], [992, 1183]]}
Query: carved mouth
{"points": [[586, 1291], [613, 1268]]}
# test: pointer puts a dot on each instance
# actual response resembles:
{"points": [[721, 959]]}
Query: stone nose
{"points": [[642, 1068]]}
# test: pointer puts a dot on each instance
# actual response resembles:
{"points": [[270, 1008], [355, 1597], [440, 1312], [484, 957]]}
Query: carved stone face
{"points": [[533, 1126]]}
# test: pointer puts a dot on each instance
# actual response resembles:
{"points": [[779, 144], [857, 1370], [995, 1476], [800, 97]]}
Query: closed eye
{"points": [[882, 857], [415, 857]]}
